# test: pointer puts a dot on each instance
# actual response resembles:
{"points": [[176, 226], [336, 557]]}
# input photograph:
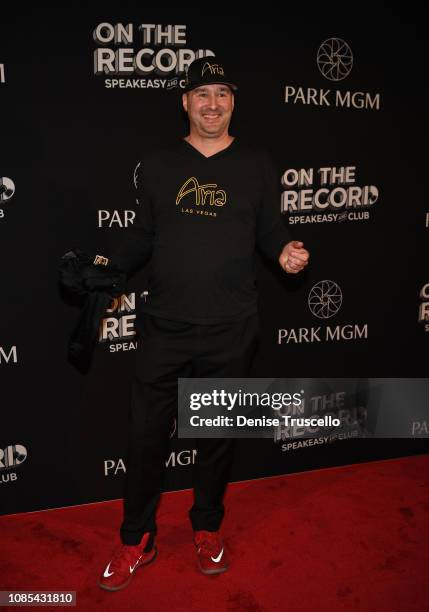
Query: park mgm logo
{"points": [[324, 302], [8, 357], [335, 62], [194, 198]]}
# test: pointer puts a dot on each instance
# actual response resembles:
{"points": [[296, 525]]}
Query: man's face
{"points": [[209, 109]]}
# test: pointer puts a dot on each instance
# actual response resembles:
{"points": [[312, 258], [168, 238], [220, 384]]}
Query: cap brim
{"points": [[233, 87]]}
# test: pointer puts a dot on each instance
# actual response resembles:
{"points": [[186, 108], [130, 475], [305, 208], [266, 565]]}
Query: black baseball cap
{"points": [[207, 71]]}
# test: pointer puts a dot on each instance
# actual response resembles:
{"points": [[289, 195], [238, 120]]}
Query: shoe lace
{"points": [[208, 542], [127, 555]]}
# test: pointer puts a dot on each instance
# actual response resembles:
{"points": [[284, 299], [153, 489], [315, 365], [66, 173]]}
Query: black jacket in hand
{"points": [[96, 282]]}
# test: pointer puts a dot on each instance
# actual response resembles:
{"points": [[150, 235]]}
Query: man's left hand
{"points": [[294, 257]]}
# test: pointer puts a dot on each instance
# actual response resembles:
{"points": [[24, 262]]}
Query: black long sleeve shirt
{"points": [[197, 226]]}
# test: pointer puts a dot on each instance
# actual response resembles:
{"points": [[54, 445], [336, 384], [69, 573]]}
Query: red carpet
{"points": [[348, 538]]}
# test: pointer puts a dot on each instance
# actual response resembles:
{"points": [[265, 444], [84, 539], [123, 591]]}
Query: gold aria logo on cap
{"points": [[213, 68]]}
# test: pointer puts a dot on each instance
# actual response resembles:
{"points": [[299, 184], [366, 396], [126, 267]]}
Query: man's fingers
{"points": [[292, 270], [294, 258], [300, 255], [296, 264]]}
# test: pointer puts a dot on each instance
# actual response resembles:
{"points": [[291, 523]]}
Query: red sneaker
{"points": [[211, 553], [125, 561]]}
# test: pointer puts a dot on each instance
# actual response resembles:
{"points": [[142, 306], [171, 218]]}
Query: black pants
{"points": [[168, 350]]}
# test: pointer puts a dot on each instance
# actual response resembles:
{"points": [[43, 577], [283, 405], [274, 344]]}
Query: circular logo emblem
{"points": [[325, 299], [7, 189], [173, 428], [136, 176], [137, 179], [335, 59]]}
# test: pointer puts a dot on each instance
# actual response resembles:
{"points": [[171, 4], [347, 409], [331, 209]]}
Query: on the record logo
{"points": [[162, 52], [119, 325], [7, 190], [335, 403], [8, 355], [11, 457], [424, 307], [325, 299], [328, 195], [335, 62]]}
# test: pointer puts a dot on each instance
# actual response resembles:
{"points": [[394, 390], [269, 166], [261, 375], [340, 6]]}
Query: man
{"points": [[205, 204]]}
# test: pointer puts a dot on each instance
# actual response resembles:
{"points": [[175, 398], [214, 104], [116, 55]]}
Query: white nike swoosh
{"points": [[218, 558], [135, 565], [107, 574]]}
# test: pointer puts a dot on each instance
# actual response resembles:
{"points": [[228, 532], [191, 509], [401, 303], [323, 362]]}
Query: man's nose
{"points": [[212, 100]]}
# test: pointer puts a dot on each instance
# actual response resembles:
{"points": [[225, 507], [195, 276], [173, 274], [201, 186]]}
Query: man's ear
{"points": [[185, 102]]}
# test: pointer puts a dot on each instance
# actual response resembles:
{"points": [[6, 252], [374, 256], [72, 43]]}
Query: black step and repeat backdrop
{"points": [[339, 99]]}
